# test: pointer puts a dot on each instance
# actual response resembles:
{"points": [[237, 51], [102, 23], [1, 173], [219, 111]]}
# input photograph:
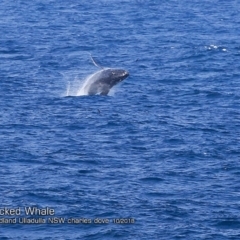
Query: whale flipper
{"points": [[94, 62]]}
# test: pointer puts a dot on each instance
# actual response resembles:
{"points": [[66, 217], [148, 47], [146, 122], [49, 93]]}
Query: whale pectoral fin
{"points": [[105, 92], [94, 62]]}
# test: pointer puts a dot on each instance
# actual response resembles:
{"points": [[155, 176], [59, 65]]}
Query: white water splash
{"points": [[72, 87], [68, 88], [78, 87]]}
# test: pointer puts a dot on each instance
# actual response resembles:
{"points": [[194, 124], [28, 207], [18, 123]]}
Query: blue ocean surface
{"points": [[158, 158]]}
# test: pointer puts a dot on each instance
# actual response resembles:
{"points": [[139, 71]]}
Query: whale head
{"points": [[114, 76]]}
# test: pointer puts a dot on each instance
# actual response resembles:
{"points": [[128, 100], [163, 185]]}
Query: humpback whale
{"points": [[103, 80]]}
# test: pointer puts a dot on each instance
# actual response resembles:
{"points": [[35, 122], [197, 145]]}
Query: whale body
{"points": [[102, 81]]}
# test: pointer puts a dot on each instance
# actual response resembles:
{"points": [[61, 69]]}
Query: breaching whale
{"points": [[103, 80]]}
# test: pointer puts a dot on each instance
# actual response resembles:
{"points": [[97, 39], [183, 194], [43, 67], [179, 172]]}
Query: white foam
{"points": [[72, 87], [214, 46]]}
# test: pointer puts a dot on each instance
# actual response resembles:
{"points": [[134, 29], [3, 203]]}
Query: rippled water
{"points": [[162, 149]]}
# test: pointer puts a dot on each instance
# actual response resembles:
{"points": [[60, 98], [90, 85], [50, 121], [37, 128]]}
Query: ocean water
{"points": [[160, 152]]}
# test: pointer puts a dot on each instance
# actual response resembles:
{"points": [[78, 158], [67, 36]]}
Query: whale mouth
{"points": [[126, 74]]}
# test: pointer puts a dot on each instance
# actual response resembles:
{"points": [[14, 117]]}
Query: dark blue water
{"points": [[161, 150]]}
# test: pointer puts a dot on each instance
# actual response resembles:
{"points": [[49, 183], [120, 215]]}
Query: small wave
{"points": [[215, 47], [151, 179]]}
